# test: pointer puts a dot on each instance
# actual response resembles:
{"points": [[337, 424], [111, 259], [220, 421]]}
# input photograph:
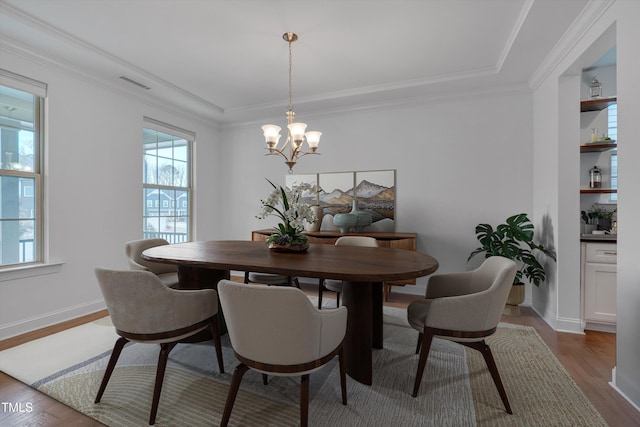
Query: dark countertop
{"points": [[603, 238]]}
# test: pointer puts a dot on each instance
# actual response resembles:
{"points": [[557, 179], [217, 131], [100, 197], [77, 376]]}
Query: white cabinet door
{"points": [[600, 292]]}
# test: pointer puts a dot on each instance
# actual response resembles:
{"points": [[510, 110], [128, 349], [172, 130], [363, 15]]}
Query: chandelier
{"points": [[296, 134]]}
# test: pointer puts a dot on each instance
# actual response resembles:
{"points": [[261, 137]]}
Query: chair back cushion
{"points": [[139, 303], [493, 281], [134, 251], [278, 325], [471, 301]]}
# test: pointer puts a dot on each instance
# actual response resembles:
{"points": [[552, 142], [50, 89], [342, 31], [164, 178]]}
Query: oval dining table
{"points": [[363, 270]]}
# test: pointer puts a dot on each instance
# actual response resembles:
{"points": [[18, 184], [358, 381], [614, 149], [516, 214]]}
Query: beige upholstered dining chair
{"points": [[336, 285], [167, 273], [465, 308], [277, 331], [270, 279], [144, 310]]}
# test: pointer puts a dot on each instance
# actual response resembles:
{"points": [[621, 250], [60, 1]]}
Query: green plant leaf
{"points": [[513, 240]]}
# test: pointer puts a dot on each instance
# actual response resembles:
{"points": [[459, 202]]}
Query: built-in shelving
{"points": [[597, 191], [597, 148], [596, 104]]}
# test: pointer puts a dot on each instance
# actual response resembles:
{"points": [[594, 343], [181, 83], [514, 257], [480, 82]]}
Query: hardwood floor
{"points": [[588, 358]]}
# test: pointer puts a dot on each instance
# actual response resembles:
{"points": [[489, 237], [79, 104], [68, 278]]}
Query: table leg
{"points": [[190, 277], [364, 327], [377, 296]]}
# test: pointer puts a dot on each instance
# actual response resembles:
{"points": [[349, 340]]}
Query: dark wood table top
{"points": [[351, 263]]}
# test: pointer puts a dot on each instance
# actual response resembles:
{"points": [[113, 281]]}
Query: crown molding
{"points": [[425, 99], [59, 34], [514, 33], [15, 48], [576, 32]]}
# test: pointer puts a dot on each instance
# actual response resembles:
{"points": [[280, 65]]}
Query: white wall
{"points": [[93, 184], [459, 162], [627, 378], [557, 130]]}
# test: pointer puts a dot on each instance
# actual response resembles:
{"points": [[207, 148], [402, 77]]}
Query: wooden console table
{"points": [[385, 240]]}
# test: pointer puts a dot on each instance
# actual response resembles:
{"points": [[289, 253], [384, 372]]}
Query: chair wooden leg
{"points": [[304, 401], [320, 290], [246, 277], [215, 333], [419, 343], [343, 376], [115, 354], [427, 338], [233, 392], [162, 365], [337, 299], [295, 281], [265, 379], [484, 348]]}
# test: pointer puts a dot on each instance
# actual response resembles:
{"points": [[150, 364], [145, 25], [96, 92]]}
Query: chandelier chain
{"points": [[290, 76]]}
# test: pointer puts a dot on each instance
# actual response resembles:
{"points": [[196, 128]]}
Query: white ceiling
{"points": [[225, 60]]}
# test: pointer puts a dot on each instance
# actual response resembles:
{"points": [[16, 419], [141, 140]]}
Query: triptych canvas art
{"points": [[373, 191]]}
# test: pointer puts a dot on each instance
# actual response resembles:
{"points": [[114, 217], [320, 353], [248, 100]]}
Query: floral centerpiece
{"points": [[286, 204]]}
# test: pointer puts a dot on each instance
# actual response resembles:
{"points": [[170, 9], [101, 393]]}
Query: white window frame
{"points": [[612, 132], [40, 264], [179, 133]]}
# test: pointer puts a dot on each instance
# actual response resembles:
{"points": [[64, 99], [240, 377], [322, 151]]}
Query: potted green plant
{"points": [[514, 240], [601, 216]]}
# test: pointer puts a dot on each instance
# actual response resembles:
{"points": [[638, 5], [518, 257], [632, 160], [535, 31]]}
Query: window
{"points": [[21, 136], [612, 125], [612, 132], [614, 176], [166, 179]]}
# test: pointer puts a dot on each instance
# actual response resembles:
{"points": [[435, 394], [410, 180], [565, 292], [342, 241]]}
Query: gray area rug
{"points": [[456, 388]]}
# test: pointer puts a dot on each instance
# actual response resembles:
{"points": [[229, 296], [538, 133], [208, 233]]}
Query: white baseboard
{"points": [[48, 319], [563, 324], [570, 325], [600, 327], [620, 392]]}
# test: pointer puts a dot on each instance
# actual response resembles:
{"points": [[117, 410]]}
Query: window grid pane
{"points": [[166, 179], [20, 169]]}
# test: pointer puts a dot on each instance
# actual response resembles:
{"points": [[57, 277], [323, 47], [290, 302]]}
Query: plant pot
{"points": [[516, 297], [288, 248]]}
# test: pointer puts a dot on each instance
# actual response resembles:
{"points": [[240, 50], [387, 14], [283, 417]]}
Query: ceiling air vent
{"points": [[133, 82]]}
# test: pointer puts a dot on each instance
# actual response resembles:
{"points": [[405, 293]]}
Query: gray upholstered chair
{"points": [[465, 308], [277, 331], [144, 310], [271, 279], [336, 285], [167, 273]]}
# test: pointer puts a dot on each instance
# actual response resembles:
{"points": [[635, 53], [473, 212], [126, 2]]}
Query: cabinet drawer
{"points": [[605, 253]]}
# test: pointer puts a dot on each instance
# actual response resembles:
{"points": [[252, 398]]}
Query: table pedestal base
{"points": [[364, 327]]}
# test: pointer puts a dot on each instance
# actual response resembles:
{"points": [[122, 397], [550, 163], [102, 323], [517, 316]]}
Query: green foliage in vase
{"points": [[514, 240]]}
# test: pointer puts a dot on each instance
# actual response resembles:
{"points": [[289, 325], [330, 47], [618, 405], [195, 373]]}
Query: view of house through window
{"points": [[20, 172], [167, 186]]}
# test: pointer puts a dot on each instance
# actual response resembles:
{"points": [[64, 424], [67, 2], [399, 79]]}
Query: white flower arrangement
{"points": [[285, 204]]}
